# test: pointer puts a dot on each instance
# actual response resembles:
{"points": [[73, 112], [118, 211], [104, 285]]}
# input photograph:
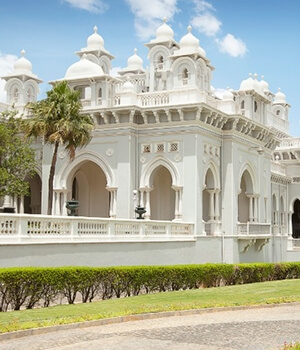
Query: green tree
{"points": [[17, 158], [58, 120]]}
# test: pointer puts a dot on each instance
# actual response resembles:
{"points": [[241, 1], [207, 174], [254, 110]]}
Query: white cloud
{"points": [[206, 23], [148, 14], [232, 46], [6, 66], [204, 20], [88, 5]]}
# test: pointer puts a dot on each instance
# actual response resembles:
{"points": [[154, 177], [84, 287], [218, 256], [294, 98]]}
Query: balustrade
{"points": [[16, 228]]}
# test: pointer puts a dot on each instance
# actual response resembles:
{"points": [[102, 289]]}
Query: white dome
{"points": [[22, 64], [128, 86], [279, 98], [202, 52], [227, 95], [83, 69], [264, 85], [189, 42], [251, 84], [95, 41], [134, 62], [164, 32]]}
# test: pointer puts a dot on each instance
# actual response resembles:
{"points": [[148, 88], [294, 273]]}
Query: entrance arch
{"points": [[32, 202], [247, 201], [88, 184], [162, 197]]}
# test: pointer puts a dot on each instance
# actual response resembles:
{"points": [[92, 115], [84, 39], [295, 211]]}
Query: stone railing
{"points": [[253, 229], [19, 228], [289, 143], [293, 244], [278, 168]]}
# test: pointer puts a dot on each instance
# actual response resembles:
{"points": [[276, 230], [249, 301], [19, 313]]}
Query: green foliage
{"points": [[27, 287], [58, 121], [290, 346], [17, 160]]}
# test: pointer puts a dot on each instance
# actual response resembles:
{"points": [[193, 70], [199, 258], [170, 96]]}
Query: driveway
{"points": [[263, 328]]}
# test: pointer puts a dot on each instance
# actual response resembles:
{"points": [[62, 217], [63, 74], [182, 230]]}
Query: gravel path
{"points": [[265, 328]]}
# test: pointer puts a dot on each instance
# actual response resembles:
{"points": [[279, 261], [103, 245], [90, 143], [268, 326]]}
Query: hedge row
{"points": [[30, 287]]}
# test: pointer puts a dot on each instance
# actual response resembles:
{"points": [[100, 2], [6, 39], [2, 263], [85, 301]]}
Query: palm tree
{"points": [[58, 120]]}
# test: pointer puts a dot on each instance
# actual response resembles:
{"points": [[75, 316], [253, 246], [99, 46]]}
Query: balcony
{"points": [[253, 234], [19, 228]]}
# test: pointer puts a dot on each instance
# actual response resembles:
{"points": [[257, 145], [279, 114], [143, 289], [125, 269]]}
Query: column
{"points": [[22, 204], [217, 205], [147, 204], [251, 197], [255, 199], [113, 201], [211, 212]]}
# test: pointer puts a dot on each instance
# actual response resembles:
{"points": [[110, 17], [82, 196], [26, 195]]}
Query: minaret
{"points": [[22, 86]]}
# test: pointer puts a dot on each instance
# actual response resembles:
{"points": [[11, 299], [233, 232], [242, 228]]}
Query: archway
{"points": [[89, 188], [246, 199], [32, 202], [208, 200], [162, 197], [296, 219]]}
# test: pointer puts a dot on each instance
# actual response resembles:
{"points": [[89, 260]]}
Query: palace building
{"points": [[218, 174]]}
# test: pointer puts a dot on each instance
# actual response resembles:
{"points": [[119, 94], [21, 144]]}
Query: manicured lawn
{"points": [[250, 294]]}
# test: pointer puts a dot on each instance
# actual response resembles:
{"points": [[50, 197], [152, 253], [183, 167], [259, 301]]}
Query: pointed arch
{"points": [[69, 169], [213, 168], [155, 163], [249, 177]]}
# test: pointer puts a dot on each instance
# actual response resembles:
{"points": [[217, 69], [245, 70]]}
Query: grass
{"points": [[250, 294]]}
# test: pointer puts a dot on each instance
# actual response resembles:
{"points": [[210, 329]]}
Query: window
{"points": [[146, 148], [243, 104], [173, 146], [160, 147], [255, 106]]}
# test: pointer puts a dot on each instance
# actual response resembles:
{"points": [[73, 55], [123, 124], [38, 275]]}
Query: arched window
{"points": [[160, 62], [100, 93], [255, 106], [15, 95], [278, 112], [243, 104], [185, 76]]}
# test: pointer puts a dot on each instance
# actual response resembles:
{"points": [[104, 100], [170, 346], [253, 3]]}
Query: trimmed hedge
{"points": [[33, 286]]}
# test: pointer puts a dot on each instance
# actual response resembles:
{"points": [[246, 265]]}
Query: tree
{"points": [[58, 120], [17, 158]]}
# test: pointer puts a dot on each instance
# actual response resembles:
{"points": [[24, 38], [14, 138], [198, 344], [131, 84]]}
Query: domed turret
{"points": [[95, 41], [251, 84], [83, 69], [227, 95], [189, 42], [134, 65], [279, 98], [264, 85], [22, 64], [128, 86], [134, 62], [164, 32]]}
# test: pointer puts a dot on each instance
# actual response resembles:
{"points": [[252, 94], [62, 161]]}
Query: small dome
{"points": [[227, 95], [202, 52], [22, 64], [251, 84], [264, 85], [134, 62], [95, 41], [164, 32], [83, 69], [279, 98], [128, 86], [189, 42]]}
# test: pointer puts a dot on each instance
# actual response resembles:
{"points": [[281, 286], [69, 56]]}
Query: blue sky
{"points": [[239, 37]]}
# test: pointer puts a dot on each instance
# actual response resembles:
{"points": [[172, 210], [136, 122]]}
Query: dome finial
{"points": [[262, 77], [23, 53], [164, 19], [189, 28], [95, 29], [255, 76], [135, 51]]}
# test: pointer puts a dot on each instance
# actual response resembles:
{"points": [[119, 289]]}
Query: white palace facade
{"points": [[218, 176]]}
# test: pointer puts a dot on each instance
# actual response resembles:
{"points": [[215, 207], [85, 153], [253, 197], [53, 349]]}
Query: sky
{"points": [[239, 37]]}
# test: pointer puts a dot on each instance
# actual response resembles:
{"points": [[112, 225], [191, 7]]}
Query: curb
{"points": [[138, 317]]}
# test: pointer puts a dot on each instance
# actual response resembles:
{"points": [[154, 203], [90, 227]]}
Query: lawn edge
{"points": [[137, 317]]}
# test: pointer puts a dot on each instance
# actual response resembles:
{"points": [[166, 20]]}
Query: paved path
{"points": [[250, 329]]}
